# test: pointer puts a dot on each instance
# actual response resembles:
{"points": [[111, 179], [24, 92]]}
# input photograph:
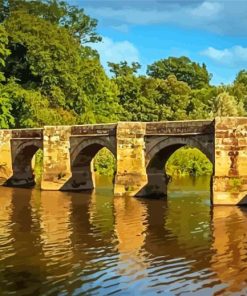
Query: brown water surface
{"points": [[54, 243]]}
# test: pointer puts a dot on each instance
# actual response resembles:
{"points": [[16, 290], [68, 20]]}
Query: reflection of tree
{"points": [[176, 253], [24, 271], [230, 240], [181, 224], [189, 220], [101, 212]]}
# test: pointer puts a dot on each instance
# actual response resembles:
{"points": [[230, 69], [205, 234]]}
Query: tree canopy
{"points": [[194, 74], [47, 66]]}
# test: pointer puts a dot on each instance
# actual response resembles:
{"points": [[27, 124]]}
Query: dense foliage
{"points": [[188, 161], [50, 75]]}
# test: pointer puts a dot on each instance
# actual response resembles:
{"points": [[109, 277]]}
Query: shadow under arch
{"points": [[158, 155], [22, 155], [81, 155]]}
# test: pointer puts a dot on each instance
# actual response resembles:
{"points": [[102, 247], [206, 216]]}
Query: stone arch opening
{"points": [[104, 166], [82, 165], [22, 164], [157, 158]]}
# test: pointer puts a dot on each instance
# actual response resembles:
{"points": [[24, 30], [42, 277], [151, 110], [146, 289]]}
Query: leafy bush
{"points": [[105, 163], [38, 166], [188, 161]]}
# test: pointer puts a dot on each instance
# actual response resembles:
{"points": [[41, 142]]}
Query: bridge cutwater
{"points": [[141, 151]]}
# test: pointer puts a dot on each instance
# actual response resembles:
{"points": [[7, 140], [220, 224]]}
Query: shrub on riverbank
{"points": [[188, 161], [105, 163], [38, 167]]}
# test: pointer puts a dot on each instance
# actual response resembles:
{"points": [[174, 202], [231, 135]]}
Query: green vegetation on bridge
{"points": [[50, 75]]}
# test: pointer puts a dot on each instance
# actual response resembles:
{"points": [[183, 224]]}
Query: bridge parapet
{"points": [[178, 128], [94, 130], [34, 133]]}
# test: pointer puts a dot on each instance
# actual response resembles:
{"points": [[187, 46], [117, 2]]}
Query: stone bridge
{"points": [[141, 151]]}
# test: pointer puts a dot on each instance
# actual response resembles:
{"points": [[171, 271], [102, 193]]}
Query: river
{"points": [[57, 243]]}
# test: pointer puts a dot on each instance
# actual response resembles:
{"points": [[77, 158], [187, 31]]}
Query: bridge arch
{"points": [[166, 147], [158, 154], [82, 153], [22, 155], [86, 149]]}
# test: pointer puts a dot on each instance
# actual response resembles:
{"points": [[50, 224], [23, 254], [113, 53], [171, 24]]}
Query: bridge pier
{"points": [[56, 161], [131, 174], [156, 185], [82, 178], [229, 186]]}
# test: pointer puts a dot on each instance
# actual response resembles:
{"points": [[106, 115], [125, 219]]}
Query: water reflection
{"points": [[5, 221], [229, 259], [130, 228], [22, 270], [54, 243]]}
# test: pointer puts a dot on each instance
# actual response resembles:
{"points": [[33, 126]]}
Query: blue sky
{"points": [[213, 32]]}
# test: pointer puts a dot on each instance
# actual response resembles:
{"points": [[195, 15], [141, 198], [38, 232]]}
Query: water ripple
{"points": [[54, 243]]}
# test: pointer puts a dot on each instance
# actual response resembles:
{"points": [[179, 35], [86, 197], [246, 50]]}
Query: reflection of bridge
{"points": [[141, 150], [158, 243]]}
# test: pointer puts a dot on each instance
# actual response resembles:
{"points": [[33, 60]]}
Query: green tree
{"points": [[49, 63], [194, 74], [227, 105], [135, 93], [175, 94], [6, 118], [201, 103], [102, 102], [241, 77], [239, 88], [29, 108], [123, 69], [74, 19], [4, 51], [147, 98]]}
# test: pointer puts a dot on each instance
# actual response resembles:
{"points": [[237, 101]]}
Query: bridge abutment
{"points": [[229, 186], [131, 174]]}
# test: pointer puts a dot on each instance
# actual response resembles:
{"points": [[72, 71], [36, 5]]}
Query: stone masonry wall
{"points": [[131, 174], [230, 173], [5, 156], [56, 163]]}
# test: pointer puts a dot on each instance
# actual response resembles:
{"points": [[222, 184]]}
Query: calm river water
{"points": [[54, 243]]}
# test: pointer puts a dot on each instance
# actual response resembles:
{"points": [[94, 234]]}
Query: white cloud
{"points": [[116, 51], [234, 56], [224, 17], [207, 10]]}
